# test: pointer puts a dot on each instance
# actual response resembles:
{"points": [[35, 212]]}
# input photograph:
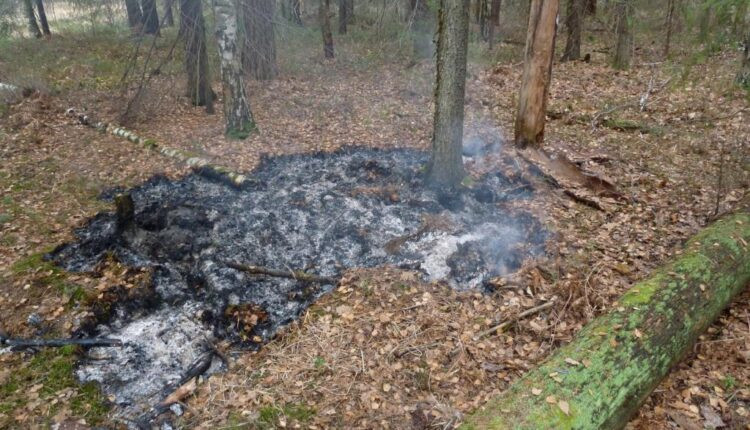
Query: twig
{"points": [[299, 275], [37, 343], [514, 320]]}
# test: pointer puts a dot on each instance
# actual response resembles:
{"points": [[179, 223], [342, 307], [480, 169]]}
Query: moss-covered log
{"points": [[602, 377], [195, 162]]}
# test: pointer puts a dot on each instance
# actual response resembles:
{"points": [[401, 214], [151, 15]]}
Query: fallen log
{"points": [[57, 343], [601, 378], [195, 162], [299, 275]]}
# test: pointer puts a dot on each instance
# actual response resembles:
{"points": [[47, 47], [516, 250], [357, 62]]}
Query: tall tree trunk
{"points": [[150, 17], [135, 15], [342, 16], [325, 28], [743, 77], [668, 24], [168, 16], [259, 41], [494, 18], [573, 22], [446, 167], [237, 115], [484, 19], [537, 73], [624, 46], [43, 17], [193, 29], [31, 18], [349, 11]]}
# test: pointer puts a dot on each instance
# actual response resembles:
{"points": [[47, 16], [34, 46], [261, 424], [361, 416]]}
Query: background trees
{"points": [[259, 41], [192, 28]]}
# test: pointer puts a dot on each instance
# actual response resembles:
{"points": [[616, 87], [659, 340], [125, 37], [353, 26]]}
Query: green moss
{"points": [[269, 416], [149, 143], [243, 131], [53, 370]]}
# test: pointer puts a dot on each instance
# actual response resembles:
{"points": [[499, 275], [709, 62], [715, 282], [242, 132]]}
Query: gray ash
{"points": [[322, 213]]}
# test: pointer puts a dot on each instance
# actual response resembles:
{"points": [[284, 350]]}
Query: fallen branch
{"points": [[195, 162], [299, 275], [600, 379], [57, 343], [511, 321]]}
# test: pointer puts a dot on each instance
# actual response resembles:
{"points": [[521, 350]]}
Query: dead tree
{"points": [[743, 77], [135, 15], [42, 17], [494, 20], [573, 22], [258, 41], [325, 28], [624, 44], [193, 29], [537, 73], [150, 17], [31, 18], [237, 115], [445, 168]]}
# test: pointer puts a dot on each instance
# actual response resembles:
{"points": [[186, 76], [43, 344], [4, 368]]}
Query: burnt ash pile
{"points": [[322, 213]]}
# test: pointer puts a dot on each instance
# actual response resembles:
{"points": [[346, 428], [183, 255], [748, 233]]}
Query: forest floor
{"points": [[385, 350]]}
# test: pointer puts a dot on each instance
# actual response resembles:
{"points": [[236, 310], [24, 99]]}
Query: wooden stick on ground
{"points": [[299, 275], [38, 343], [508, 322]]}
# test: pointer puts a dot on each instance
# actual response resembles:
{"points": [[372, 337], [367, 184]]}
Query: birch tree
{"points": [[537, 73], [446, 167], [237, 115], [743, 77]]}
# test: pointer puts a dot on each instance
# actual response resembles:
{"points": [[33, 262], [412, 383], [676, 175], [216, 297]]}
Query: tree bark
{"points": [[484, 19], [135, 15], [601, 378], [494, 20], [624, 46], [150, 17], [31, 19], [342, 16], [237, 115], [258, 41], [743, 77], [325, 28], [168, 15], [573, 22], [349, 11], [537, 73], [590, 7], [193, 29], [43, 17], [445, 168]]}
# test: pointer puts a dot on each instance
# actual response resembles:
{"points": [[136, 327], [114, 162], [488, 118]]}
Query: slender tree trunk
{"points": [[193, 29], [704, 22], [150, 17], [484, 19], [325, 28], [135, 15], [342, 16], [43, 17], [295, 12], [31, 18], [446, 167], [168, 16], [421, 28], [743, 77], [668, 24], [494, 18], [237, 115], [590, 7], [624, 46], [259, 41], [573, 22], [537, 73], [349, 11]]}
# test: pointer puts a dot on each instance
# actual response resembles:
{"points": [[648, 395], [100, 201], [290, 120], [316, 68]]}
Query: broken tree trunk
{"points": [[196, 163], [603, 376]]}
